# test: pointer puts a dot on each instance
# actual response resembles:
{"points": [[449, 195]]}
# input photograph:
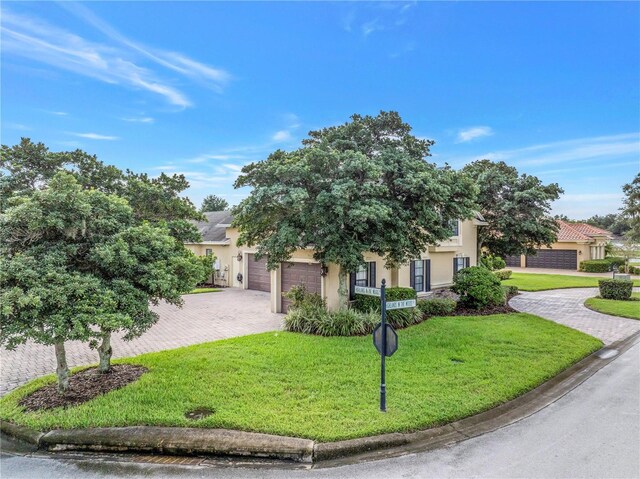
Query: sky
{"points": [[203, 88]]}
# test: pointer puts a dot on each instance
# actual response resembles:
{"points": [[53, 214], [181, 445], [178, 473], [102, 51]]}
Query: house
{"points": [[433, 269], [576, 242]]}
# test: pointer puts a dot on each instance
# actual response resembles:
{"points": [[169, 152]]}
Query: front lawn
{"points": [[626, 309], [542, 282], [205, 290], [326, 388]]}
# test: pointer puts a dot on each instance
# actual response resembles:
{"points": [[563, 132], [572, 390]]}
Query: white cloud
{"points": [[95, 136], [16, 126], [143, 119], [58, 113], [474, 132], [35, 39], [282, 136], [584, 205]]}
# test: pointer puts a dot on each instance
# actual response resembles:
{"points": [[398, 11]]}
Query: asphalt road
{"points": [[594, 431]]}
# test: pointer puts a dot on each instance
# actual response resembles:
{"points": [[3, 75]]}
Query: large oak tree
{"points": [[357, 187]]}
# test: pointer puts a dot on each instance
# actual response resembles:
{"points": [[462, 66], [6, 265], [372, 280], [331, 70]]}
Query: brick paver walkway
{"points": [[204, 317], [566, 306]]}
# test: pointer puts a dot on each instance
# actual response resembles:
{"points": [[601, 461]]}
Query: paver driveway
{"points": [[566, 306], [204, 317]]}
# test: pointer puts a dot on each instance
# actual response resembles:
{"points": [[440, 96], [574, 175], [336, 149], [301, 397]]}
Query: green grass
{"points": [[626, 309], [205, 290], [327, 388], [542, 282]]}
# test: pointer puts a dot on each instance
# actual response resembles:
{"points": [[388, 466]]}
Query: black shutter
{"points": [[455, 265], [412, 274], [467, 262], [352, 286], [427, 269], [372, 274]]}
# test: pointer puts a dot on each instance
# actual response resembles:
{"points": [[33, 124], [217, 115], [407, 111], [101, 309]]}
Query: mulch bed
{"points": [[460, 311], [83, 387]]}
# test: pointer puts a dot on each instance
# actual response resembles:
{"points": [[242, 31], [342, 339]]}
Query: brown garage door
{"points": [[294, 274], [513, 261], [550, 258], [259, 276]]}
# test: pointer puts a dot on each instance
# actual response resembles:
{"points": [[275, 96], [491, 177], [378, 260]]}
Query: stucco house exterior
{"points": [[237, 265], [576, 242]]}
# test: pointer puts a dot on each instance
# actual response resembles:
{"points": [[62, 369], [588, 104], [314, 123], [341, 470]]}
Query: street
{"points": [[594, 431]]}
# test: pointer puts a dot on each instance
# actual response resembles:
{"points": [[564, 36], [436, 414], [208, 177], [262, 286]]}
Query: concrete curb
{"points": [[223, 442]]}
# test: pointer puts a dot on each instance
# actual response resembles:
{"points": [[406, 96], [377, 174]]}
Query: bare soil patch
{"points": [[83, 386]]}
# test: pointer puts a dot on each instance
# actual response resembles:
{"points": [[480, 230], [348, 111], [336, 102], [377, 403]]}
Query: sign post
{"points": [[383, 323]]}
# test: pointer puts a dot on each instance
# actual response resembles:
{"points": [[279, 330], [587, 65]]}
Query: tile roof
{"points": [[579, 231], [214, 228]]}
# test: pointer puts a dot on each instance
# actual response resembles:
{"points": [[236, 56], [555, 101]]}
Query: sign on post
{"points": [[368, 291], [402, 304]]}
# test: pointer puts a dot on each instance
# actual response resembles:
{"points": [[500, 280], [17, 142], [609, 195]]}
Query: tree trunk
{"points": [[104, 352], [343, 293], [62, 370]]}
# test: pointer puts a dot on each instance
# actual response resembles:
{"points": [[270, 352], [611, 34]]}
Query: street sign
{"points": [[405, 303], [392, 340], [367, 291]]}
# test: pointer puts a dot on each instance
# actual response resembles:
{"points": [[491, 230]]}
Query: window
{"points": [[460, 263], [209, 252], [454, 226], [364, 276], [420, 275]]}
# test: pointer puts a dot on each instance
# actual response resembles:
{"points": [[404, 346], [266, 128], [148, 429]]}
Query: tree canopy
{"points": [[631, 208], [363, 186], [214, 203], [515, 206], [30, 166], [76, 265]]}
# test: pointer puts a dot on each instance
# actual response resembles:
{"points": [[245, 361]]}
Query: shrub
{"points": [[478, 288], [437, 306], [595, 266], [632, 269], [620, 289], [398, 318], [510, 290], [491, 262], [503, 274], [300, 297], [615, 261]]}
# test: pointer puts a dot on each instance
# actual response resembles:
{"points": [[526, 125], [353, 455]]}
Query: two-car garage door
{"points": [[554, 258]]}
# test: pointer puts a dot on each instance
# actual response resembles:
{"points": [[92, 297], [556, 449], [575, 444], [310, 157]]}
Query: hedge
{"points": [[510, 290], [595, 266], [632, 269], [437, 306], [620, 289], [503, 274]]}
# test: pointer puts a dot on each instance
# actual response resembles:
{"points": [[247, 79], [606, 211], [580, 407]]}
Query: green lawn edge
{"points": [[614, 307], [544, 282], [205, 290], [505, 356]]}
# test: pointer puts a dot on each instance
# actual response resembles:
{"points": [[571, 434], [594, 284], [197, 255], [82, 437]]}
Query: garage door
{"points": [[549, 258], [259, 276], [294, 274], [513, 261]]}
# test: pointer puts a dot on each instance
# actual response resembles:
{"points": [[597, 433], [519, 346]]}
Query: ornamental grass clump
{"points": [[619, 289], [478, 288]]}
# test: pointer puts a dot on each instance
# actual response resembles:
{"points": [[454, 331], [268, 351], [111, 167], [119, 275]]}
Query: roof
{"points": [[215, 228], [579, 231]]}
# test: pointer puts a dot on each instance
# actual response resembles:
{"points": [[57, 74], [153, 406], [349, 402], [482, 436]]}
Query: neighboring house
{"points": [[576, 242], [433, 269]]}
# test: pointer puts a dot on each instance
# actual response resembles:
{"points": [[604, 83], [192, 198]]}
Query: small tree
{"points": [[631, 209], [75, 266], [214, 203], [516, 208], [358, 187]]}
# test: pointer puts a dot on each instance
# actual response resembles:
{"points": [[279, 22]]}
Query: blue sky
{"points": [[203, 88]]}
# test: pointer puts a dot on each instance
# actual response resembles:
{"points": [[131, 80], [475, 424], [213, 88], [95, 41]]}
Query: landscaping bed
{"points": [[326, 388], [543, 282], [626, 309]]}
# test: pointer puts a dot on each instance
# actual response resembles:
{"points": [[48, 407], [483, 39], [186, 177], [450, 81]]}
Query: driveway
{"points": [[204, 317], [563, 272], [566, 306]]}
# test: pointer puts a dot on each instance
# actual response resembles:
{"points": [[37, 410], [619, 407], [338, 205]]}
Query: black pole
{"points": [[383, 386]]}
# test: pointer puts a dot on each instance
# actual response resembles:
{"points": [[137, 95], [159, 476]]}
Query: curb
{"points": [[224, 442]]}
